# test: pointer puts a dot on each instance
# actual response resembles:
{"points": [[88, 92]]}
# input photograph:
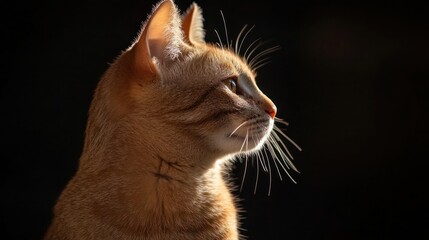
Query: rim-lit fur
{"points": [[162, 126]]}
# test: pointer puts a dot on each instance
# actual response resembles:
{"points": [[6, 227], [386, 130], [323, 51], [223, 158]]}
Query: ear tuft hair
{"points": [[193, 25]]}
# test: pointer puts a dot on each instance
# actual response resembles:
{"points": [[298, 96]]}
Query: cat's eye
{"points": [[231, 83]]}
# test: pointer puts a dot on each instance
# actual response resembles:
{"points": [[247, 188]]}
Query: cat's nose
{"points": [[271, 110], [269, 107]]}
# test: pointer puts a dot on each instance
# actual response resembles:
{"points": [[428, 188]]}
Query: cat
{"points": [[165, 121]]}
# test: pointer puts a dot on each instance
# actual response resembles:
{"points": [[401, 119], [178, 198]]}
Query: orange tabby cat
{"points": [[166, 118]]}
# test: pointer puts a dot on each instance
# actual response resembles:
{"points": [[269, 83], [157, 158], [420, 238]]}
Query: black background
{"points": [[351, 78]]}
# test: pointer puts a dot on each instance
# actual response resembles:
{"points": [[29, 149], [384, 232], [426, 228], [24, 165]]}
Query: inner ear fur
{"points": [[160, 38]]}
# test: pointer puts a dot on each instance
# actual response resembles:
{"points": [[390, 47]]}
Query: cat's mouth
{"points": [[248, 136]]}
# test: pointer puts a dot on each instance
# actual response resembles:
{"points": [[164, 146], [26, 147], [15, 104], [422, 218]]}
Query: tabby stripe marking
{"points": [[212, 117], [160, 174], [200, 100]]}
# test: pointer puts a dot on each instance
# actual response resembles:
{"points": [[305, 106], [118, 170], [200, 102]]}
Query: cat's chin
{"points": [[236, 143], [249, 144]]}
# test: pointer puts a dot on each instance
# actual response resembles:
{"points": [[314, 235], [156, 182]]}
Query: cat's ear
{"points": [[161, 37], [192, 25]]}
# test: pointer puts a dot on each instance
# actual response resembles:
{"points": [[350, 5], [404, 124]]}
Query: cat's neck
{"points": [[149, 162], [145, 188]]}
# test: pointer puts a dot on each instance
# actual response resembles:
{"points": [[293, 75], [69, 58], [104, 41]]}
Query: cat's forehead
{"points": [[222, 62], [206, 65]]}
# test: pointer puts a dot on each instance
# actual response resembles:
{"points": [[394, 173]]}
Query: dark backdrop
{"points": [[350, 78]]}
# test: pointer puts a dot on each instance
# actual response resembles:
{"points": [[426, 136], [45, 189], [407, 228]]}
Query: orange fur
{"points": [[150, 168]]}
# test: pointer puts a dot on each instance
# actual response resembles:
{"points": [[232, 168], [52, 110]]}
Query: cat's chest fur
{"points": [[124, 207]]}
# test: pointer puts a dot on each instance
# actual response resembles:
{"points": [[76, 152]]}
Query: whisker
{"points": [[281, 142], [261, 160], [260, 65], [263, 53], [267, 51], [242, 41], [266, 158], [238, 39], [280, 152], [257, 177], [238, 128], [220, 40], [269, 171], [244, 175], [226, 31], [290, 140], [284, 156], [286, 171], [246, 140], [279, 120], [255, 155], [253, 50], [259, 153], [248, 48], [274, 156], [259, 61]]}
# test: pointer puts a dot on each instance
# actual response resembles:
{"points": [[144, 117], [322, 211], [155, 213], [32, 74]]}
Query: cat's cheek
{"points": [[226, 144], [251, 135]]}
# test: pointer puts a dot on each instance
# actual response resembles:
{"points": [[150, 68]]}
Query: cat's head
{"points": [[173, 83]]}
